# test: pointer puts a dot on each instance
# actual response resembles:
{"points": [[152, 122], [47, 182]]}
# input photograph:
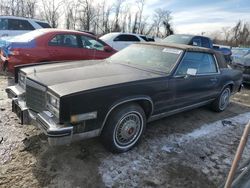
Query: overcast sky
{"points": [[196, 16]]}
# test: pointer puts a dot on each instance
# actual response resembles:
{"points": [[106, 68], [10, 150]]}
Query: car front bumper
{"points": [[57, 134], [15, 91]]}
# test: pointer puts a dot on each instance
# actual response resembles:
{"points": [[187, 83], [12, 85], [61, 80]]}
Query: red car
{"points": [[44, 45]]}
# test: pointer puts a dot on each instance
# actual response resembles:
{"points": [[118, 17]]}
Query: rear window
{"points": [[43, 24]]}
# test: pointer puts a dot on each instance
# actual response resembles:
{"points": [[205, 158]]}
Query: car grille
{"points": [[35, 96]]}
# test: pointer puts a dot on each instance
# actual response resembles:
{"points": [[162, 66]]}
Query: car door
{"points": [[202, 85], [64, 47], [92, 48], [124, 40]]}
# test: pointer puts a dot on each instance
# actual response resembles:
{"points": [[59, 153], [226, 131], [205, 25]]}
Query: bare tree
{"points": [[162, 17], [86, 14], [135, 26], [140, 5], [71, 16], [24, 8], [51, 11], [117, 8]]}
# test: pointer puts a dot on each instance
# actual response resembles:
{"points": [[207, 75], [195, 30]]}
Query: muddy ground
{"points": [[191, 149]]}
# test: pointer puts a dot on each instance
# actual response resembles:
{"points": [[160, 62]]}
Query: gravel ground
{"points": [[191, 149]]}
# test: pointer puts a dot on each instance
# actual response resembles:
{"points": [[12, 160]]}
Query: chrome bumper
{"points": [[15, 91], [57, 134]]}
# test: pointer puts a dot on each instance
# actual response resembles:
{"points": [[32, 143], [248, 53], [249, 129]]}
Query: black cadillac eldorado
{"points": [[116, 97]]}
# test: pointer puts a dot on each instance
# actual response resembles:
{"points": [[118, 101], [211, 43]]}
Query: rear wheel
{"points": [[221, 103], [124, 128]]}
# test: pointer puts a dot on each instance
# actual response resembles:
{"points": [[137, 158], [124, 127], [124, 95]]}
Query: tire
{"points": [[222, 101], [124, 128]]}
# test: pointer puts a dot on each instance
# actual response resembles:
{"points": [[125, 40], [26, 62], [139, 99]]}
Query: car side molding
{"points": [[172, 112]]}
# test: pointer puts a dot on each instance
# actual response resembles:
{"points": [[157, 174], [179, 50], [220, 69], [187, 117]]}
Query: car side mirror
{"points": [[191, 72], [108, 49]]}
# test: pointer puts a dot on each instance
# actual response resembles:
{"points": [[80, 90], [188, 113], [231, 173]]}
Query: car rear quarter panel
{"points": [[231, 77]]}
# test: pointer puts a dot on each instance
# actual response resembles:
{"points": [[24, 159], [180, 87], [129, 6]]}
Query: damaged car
{"points": [[115, 98]]}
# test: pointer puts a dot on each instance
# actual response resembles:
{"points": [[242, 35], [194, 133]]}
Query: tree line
{"points": [[99, 17], [236, 36]]}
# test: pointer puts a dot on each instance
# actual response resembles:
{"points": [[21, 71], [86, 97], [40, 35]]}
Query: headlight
{"points": [[53, 104], [22, 79]]}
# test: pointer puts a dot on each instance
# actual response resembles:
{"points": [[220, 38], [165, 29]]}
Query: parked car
{"points": [[119, 41], [114, 98], [241, 61], [13, 25], [44, 45], [202, 41]]}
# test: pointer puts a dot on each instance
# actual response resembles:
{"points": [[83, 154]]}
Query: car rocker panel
{"points": [[115, 99]]}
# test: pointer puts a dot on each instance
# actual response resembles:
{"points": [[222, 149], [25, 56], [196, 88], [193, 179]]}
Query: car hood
{"points": [[72, 77]]}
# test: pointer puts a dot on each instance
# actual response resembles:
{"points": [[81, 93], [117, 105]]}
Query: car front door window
{"points": [[204, 63]]}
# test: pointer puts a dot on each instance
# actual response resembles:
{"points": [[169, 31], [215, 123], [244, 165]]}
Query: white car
{"points": [[119, 41], [12, 25]]}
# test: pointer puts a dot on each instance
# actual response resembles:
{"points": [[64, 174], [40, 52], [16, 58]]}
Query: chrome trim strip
{"points": [[86, 135], [165, 114], [82, 117], [125, 101]]}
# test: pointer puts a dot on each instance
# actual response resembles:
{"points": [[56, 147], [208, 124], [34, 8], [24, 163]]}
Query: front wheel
{"points": [[124, 128], [222, 101]]}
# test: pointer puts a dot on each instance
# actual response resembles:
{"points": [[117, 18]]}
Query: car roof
{"points": [[120, 33], [180, 46], [56, 30], [190, 35], [23, 18]]}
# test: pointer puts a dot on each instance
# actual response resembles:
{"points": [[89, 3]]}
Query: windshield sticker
{"points": [[172, 51]]}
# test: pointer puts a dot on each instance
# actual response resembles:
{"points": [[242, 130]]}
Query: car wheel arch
{"points": [[230, 85], [145, 102]]}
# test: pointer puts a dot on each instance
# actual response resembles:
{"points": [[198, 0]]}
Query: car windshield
{"points": [[157, 58], [179, 39], [108, 37], [28, 36]]}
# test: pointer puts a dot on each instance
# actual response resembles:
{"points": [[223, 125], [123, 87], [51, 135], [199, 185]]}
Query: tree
{"points": [[51, 11], [162, 17], [140, 5]]}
